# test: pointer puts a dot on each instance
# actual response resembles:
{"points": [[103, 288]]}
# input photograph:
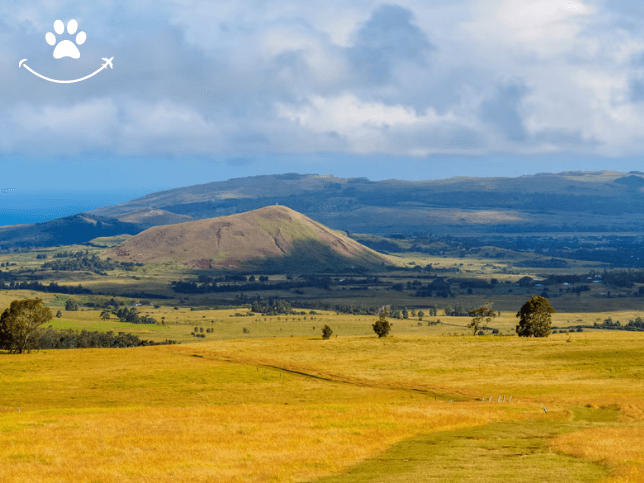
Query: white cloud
{"points": [[345, 113], [370, 126], [543, 27], [64, 130], [167, 127], [403, 77]]}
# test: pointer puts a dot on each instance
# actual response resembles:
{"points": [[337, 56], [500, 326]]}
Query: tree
{"points": [[481, 317], [59, 314], [71, 305], [19, 325], [105, 315], [326, 332], [535, 318], [382, 326], [421, 314]]}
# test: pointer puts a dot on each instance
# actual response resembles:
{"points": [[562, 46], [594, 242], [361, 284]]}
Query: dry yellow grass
{"points": [[235, 410], [595, 367], [159, 413], [220, 443], [620, 447]]}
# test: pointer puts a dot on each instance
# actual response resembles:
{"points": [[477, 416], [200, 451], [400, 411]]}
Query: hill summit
{"points": [[273, 238]]}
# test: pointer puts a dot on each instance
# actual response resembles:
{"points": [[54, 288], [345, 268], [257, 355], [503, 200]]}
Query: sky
{"points": [[204, 90]]}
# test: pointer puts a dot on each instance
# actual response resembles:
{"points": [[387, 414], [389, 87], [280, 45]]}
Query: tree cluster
{"points": [[457, 310], [534, 318], [132, 316], [440, 287], [82, 261], [633, 325], [53, 287], [273, 306], [72, 339], [623, 279], [217, 285], [19, 325], [20, 331], [71, 305], [353, 309], [474, 283]]}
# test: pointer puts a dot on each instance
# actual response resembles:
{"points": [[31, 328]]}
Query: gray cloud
{"points": [[503, 110], [387, 39]]}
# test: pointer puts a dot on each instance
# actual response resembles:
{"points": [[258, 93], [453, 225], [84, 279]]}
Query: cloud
{"points": [[503, 110], [375, 127], [64, 130], [387, 39], [234, 79]]}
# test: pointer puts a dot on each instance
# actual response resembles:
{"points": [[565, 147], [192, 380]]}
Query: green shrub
{"points": [[71, 305], [326, 332], [382, 326]]}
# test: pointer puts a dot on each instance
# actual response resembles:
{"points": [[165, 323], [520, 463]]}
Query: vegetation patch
{"points": [[517, 451]]}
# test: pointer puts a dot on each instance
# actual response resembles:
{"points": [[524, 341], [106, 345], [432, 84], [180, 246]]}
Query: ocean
{"points": [[18, 206]]}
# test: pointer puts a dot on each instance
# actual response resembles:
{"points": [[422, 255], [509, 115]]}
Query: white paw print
{"points": [[66, 48]]}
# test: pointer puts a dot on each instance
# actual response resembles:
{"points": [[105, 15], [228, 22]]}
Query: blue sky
{"points": [[206, 90]]}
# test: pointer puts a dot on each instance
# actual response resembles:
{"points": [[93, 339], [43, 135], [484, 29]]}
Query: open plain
{"points": [[351, 408]]}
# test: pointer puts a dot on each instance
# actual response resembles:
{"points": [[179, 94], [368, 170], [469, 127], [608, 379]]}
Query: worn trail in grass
{"points": [[499, 452]]}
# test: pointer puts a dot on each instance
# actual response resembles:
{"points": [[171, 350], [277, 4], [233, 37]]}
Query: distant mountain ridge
{"points": [[69, 230], [570, 201], [600, 201], [274, 238]]}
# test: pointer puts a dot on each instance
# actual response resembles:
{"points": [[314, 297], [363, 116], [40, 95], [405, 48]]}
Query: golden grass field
{"points": [[265, 406]]}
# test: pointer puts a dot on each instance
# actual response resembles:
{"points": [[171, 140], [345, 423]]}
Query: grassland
{"points": [[353, 408], [277, 403], [230, 323]]}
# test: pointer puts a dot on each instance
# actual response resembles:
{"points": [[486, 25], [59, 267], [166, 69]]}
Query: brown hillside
{"points": [[272, 237]]}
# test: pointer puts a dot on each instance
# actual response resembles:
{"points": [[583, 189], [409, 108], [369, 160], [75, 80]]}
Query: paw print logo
{"points": [[66, 48]]}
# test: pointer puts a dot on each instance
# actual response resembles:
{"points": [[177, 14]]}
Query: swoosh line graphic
{"points": [[60, 81]]}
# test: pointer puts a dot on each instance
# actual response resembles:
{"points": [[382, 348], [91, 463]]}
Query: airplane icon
{"points": [[108, 62]]}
